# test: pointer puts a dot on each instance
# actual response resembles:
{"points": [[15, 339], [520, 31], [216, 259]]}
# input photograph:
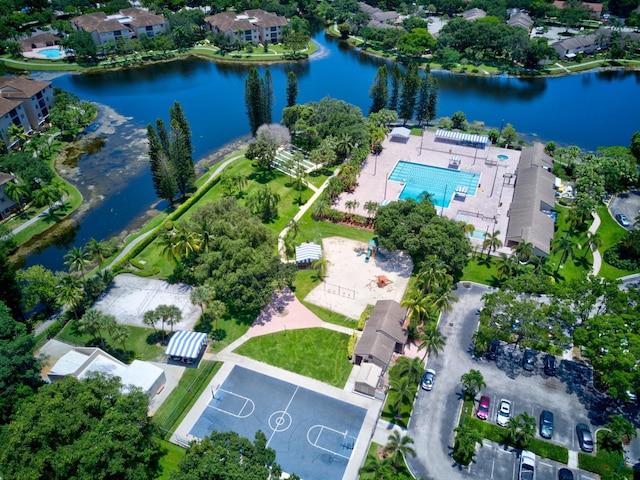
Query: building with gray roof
{"points": [[533, 201], [384, 334]]}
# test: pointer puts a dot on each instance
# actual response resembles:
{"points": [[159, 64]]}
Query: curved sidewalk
{"points": [[597, 258]]}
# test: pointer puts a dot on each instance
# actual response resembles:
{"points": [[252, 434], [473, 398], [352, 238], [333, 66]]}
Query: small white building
{"points": [[83, 361]]}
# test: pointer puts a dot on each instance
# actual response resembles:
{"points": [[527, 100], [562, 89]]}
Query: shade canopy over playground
{"points": [[186, 345], [460, 138], [308, 252]]}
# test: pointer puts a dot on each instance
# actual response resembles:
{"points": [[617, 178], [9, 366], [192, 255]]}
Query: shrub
{"points": [[351, 346]]}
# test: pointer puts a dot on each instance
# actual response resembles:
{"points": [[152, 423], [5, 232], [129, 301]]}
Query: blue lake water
{"points": [[589, 110]]}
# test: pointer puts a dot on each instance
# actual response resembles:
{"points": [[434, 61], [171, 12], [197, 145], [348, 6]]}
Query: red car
{"points": [[483, 408]]}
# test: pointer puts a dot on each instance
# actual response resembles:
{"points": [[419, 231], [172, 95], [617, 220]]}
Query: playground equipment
{"points": [[369, 253], [360, 251]]}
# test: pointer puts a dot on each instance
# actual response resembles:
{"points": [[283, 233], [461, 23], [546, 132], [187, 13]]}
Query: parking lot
{"points": [[569, 395], [497, 462], [627, 203]]}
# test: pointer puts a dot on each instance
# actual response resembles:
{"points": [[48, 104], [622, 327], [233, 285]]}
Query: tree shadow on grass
{"points": [[262, 176]]}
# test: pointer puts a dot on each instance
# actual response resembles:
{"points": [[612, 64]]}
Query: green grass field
{"points": [[138, 344], [314, 352], [171, 458], [611, 233]]}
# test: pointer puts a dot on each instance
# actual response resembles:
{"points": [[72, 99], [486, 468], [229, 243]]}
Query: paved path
{"points": [[137, 240], [40, 216], [597, 258], [301, 212]]}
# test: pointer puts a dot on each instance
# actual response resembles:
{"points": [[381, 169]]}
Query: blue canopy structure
{"points": [[308, 252], [186, 345], [461, 138]]}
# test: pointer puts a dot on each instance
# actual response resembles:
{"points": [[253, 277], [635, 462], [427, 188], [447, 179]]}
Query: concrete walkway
{"points": [[301, 212], [40, 216], [597, 258]]}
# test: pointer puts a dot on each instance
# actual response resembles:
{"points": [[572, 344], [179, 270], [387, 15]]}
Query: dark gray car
{"points": [[546, 424], [585, 439]]}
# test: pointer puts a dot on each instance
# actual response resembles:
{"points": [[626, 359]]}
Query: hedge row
{"points": [[351, 346]]}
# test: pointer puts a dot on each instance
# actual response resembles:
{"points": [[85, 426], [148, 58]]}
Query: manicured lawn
{"points": [[611, 233], [170, 460], [234, 328], [389, 413], [138, 344], [318, 177], [331, 317], [480, 270], [582, 260], [183, 397], [314, 352], [315, 231]]}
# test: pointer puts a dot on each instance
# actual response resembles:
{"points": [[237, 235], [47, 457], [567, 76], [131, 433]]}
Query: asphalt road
{"points": [[569, 395]]}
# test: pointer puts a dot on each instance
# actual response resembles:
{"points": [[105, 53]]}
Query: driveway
{"points": [[569, 395]]}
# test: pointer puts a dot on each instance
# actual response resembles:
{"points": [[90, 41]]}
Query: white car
{"points": [[527, 466], [504, 413], [428, 379]]}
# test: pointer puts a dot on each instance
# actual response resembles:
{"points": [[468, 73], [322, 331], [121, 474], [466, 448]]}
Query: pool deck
{"points": [[487, 210]]}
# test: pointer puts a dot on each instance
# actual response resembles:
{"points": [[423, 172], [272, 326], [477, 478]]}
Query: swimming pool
{"points": [[441, 183], [503, 157], [51, 53]]}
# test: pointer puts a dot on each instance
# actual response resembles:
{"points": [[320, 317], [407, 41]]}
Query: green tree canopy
{"points": [[227, 456], [82, 429]]}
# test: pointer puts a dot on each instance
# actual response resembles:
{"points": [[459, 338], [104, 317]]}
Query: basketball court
{"points": [[313, 435]]}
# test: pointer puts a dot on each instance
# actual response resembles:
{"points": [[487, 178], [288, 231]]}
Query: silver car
{"points": [[428, 379]]}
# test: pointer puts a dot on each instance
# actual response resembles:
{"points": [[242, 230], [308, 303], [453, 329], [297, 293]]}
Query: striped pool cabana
{"points": [[461, 138], [185, 345], [308, 252]]}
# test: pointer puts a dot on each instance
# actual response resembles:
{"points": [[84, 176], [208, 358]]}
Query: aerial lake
{"points": [[593, 109]]}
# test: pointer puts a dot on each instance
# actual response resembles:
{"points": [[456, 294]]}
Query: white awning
{"points": [[462, 137], [401, 132], [308, 252], [186, 344]]}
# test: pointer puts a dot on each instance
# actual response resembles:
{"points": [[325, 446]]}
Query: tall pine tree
{"points": [[162, 173], [181, 149], [379, 91], [423, 100], [292, 88], [433, 98], [268, 97], [170, 155], [254, 99], [396, 82], [410, 87]]}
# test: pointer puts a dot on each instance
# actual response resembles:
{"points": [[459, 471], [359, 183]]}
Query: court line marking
{"points": [[247, 401], [321, 428], [273, 433]]}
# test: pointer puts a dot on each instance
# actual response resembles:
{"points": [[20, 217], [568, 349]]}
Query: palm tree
{"points": [[120, 335], [150, 318], [523, 251], [399, 446], [473, 382], [491, 241], [403, 394], [619, 431], [91, 323], [432, 341], [70, 292], [167, 239], [521, 429], [77, 258], [433, 275], [18, 192], [344, 145], [371, 208], [186, 241], [378, 468], [594, 242], [418, 305], [321, 209], [294, 227], [410, 368], [16, 133], [108, 323], [506, 266], [567, 248], [97, 249], [441, 301], [321, 266], [173, 316], [216, 310], [464, 447], [202, 295]]}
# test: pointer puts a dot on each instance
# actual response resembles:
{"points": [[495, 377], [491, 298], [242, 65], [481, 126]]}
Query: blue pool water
{"points": [[441, 183], [52, 53], [503, 157]]}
